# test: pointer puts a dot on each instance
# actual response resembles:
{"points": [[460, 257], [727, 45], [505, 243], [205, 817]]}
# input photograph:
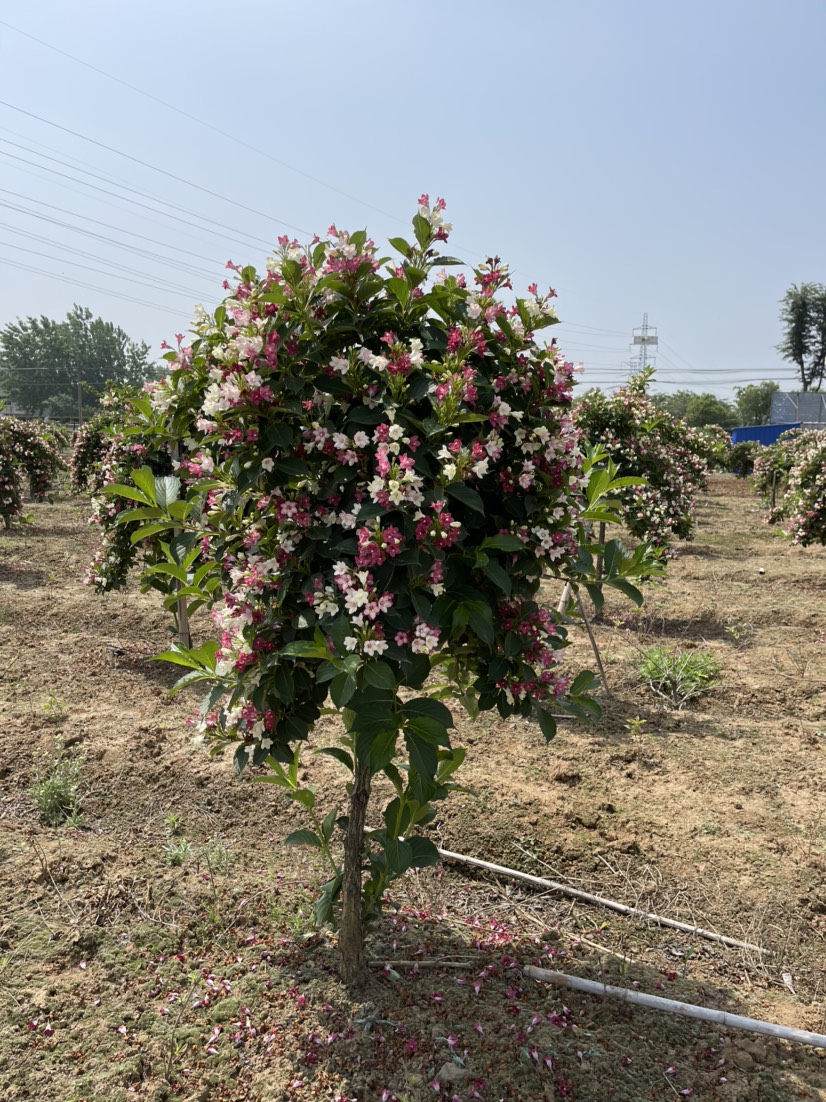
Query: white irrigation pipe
{"points": [[671, 1006], [576, 893]]}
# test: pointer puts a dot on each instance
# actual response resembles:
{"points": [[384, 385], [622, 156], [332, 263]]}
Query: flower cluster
{"points": [[795, 468], [645, 441], [27, 448], [382, 460], [714, 445]]}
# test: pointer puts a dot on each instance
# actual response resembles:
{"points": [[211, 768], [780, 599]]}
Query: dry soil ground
{"points": [[124, 975]]}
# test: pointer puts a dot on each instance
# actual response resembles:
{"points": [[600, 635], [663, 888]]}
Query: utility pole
{"points": [[644, 337], [79, 395]]}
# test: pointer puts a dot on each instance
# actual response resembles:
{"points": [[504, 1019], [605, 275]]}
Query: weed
{"points": [[741, 634], [56, 790], [173, 824], [54, 707], [176, 851], [679, 677]]}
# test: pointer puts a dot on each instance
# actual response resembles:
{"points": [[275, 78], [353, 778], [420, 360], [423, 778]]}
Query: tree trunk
{"points": [[351, 938]]}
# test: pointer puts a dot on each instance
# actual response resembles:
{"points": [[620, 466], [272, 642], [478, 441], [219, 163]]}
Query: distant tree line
{"points": [[751, 406], [49, 367]]}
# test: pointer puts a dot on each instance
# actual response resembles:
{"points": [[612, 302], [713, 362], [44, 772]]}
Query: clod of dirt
{"points": [[452, 1073], [566, 776]]}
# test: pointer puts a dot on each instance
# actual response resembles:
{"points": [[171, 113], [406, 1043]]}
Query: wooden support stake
{"points": [[181, 613], [601, 542], [774, 487], [672, 1006], [594, 646]]}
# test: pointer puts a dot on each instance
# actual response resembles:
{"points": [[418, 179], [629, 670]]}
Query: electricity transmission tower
{"points": [[644, 340]]}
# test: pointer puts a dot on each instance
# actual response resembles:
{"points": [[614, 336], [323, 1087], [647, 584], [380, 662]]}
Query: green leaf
{"points": [[327, 671], [305, 797], [400, 245], [150, 530], [379, 675], [424, 852], [423, 755], [190, 679], [595, 593], [503, 542], [400, 288], [179, 657], [423, 230], [339, 754], [547, 723], [480, 620], [342, 688], [497, 575], [630, 591], [303, 838], [468, 497], [583, 683], [323, 911], [382, 750], [148, 513], [300, 649], [399, 855], [118, 489], [144, 479], [425, 706], [166, 490]]}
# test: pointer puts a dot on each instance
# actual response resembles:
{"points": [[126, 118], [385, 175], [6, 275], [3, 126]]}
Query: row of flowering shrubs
{"points": [[645, 440], [30, 450], [793, 471]]}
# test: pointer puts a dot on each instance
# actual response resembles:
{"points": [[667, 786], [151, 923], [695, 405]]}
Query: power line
{"points": [[154, 168], [208, 125], [104, 237], [55, 172], [76, 264], [10, 263]]}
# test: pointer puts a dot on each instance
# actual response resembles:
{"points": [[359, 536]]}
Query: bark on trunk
{"points": [[351, 939]]}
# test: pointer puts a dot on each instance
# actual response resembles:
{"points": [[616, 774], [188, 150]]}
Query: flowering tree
{"points": [[796, 467], [25, 450], [381, 465], [645, 441]]}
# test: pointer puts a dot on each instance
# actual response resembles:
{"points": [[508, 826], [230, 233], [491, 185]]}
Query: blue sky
{"points": [[637, 157]]}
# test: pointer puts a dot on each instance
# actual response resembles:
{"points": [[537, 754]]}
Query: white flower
{"points": [[355, 600], [375, 646], [396, 432], [340, 365], [449, 471], [473, 309], [351, 642], [361, 439], [267, 464]]}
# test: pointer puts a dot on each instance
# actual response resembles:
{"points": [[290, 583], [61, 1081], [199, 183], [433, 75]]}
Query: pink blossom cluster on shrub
{"points": [[645, 441], [26, 449], [796, 465]]}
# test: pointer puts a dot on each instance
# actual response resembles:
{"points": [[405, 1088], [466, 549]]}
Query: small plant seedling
{"points": [[679, 677], [54, 706], [56, 791], [173, 824], [176, 851], [741, 634]]}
